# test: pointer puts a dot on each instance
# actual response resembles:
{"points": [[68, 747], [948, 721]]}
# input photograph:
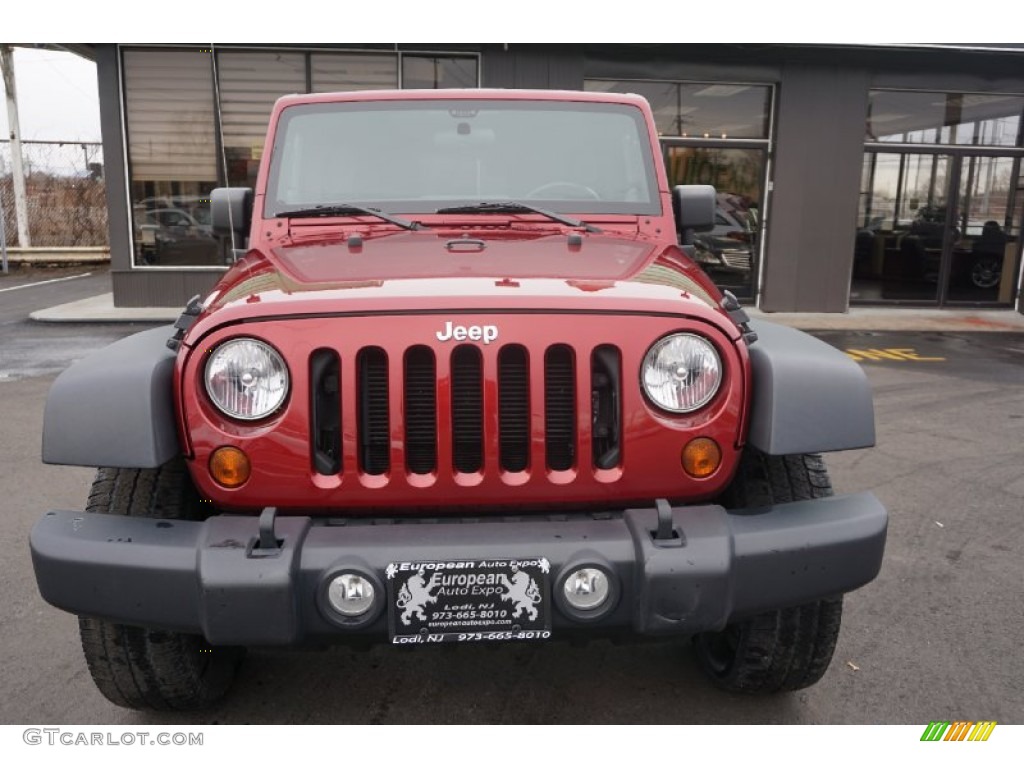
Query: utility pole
{"points": [[3, 236], [17, 169]]}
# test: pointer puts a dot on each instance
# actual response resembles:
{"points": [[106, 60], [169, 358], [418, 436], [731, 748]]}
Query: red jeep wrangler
{"points": [[465, 384]]}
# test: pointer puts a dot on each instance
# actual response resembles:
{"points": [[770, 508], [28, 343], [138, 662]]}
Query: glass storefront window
{"points": [[922, 117], [352, 72], [700, 124], [250, 83], [172, 157], [439, 71], [700, 110]]}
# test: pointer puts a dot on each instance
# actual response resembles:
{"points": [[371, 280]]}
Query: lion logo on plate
{"points": [[415, 595], [522, 593]]}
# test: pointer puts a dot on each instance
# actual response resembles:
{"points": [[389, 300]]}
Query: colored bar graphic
{"points": [[958, 730], [935, 730], [982, 730]]}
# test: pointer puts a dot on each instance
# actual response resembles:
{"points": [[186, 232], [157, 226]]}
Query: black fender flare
{"points": [[808, 397], [115, 407]]}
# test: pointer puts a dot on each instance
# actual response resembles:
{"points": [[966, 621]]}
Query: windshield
{"points": [[419, 156]]}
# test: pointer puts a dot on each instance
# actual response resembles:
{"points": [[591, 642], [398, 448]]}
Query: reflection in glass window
{"points": [[439, 72], [172, 157], [700, 110], [916, 117]]}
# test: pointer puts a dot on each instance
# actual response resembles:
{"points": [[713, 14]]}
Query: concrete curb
{"points": [[62, 256], [101, 309]]}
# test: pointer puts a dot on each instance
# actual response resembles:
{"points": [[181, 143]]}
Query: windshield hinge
{"points": [[185, 320], [732, 307]]}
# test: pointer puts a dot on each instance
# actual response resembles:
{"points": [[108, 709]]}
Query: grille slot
{"points": [[467, 409], [420, 410], [325, 410], [560, 407], [374, 414], [514, 408], [606, 406]]}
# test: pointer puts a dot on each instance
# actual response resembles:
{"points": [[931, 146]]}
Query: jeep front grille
{"points": [[407, 421]]}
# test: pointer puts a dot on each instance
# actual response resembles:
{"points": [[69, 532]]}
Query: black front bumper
{"points": [[207, 578]]}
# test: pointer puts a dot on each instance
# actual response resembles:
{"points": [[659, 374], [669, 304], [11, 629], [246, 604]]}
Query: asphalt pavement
{"points": [[936, 636]]}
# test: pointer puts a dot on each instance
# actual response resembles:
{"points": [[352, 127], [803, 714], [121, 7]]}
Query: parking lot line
{"points": [[44, 282]]}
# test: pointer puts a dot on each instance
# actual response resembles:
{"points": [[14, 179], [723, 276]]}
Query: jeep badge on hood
{"points": [[484, 333]]}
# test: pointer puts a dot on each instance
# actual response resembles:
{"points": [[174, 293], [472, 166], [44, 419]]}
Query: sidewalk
{"points": [[896, 319], [101, 309]]}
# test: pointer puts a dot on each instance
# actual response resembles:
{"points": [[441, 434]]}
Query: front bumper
{"points": [[206, 578]]}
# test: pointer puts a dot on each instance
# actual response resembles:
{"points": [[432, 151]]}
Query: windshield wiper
{"points": [[517, 207], [347, 209]]}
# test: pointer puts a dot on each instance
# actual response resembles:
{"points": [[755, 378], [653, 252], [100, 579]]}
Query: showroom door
{"points": [[729, 253], [983, 235], [938, 228]]}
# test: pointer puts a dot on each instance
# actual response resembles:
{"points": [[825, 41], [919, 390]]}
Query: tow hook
{"points": [[666, 535], [267, 544]]}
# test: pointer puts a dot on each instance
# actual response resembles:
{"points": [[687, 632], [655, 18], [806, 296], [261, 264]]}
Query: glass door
{"points": [[935, 228], [985, 232], [729, 252]]}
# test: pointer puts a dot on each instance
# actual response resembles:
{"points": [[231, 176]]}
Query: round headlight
{"points": [[246, 379], [681, 373]]}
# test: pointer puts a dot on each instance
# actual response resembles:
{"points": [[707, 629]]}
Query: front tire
{"points": [[786, 649], [142, 668]]}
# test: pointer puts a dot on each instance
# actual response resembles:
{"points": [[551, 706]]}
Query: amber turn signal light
{"points": [[229, 467], [701, 457]]}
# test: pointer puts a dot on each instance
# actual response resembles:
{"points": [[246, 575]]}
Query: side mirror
{"points": [[694, 208], [231, 210]]}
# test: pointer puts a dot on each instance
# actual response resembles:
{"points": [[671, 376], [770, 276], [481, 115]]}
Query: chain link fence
{"points": [[66, 198]]}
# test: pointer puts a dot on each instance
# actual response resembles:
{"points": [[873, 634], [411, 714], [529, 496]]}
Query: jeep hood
{"points": [[432, 271]]}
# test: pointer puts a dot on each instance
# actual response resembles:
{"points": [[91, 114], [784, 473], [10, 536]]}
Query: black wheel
{"points": [[787, 649], [986, 272], [144, 668]]}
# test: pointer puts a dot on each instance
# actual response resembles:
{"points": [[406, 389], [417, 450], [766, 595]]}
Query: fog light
{"points": [[701, 457], [350, 594], [586, 589], [229, 466]]}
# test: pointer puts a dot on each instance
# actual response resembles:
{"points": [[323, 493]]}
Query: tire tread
{"points": [[790, 648], [138, 667]]}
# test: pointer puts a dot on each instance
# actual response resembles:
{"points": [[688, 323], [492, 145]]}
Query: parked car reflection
{"points": [[173, 236], [913, 256], [977, 251], [729, 247]]}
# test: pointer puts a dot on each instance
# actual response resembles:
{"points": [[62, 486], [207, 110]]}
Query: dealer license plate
{"points": [[468, 600]]}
